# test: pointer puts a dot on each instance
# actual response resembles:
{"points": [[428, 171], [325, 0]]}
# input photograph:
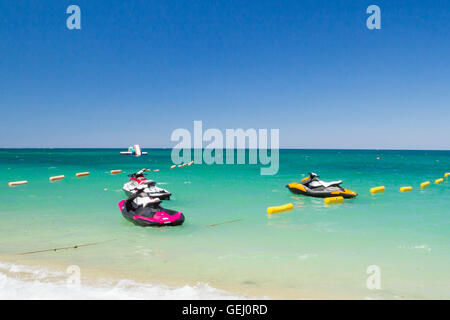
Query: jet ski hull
{"points": [[151, 216], [322, 192]]}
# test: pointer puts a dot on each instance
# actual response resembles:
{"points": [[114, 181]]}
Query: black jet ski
{"points": [[138, 183], [313, 187], [146, 211]]}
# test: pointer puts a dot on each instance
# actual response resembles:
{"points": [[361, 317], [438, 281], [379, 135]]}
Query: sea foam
{"points": [[24, 282]]}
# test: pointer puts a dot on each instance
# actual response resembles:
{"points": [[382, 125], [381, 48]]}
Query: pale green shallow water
{"points": [[312, 251]]}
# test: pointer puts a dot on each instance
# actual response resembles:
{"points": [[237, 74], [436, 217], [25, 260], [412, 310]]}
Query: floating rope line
{"points": [[216, 224], [64, 248]]}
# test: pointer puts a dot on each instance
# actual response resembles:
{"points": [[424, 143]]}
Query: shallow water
{"points": [[312, 251]]}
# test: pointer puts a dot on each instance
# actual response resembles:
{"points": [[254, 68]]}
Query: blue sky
{"points": [[137, 70]]}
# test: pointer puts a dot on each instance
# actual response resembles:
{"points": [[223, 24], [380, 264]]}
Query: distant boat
{"points": [[134, 151]]}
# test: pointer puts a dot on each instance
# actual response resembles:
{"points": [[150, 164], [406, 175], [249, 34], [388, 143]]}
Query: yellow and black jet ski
{"points": [[313, 187]]}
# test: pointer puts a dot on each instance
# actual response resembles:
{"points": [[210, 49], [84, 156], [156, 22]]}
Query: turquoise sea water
{"points": [[312, 251]]}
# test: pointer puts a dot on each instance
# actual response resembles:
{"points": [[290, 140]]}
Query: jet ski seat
{"points": [[144, 201], [320, 183], [332, 183]]}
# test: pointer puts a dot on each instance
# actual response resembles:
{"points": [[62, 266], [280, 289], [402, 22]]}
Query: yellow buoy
{"points": [[156, 170], [191, 163], [173, 167], [54, 178], [439, 180], [447, 174], [82, 174], [284, 207], [377, 189], [402, 189], [333, 200], [180, 165], [425, 184], [17, 183], [116, 171]]}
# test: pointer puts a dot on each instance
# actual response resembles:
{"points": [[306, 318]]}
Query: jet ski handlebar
{"points": [[138, 174]]}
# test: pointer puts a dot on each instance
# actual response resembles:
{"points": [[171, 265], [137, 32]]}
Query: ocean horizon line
{"points": [[165, 148]]}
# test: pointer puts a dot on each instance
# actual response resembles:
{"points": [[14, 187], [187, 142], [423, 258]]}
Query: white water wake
{"points": [[24, 282]]}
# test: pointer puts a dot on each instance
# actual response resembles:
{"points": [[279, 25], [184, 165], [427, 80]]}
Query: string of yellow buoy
{"points": [[182, 165], [77, 175], [410, 188], [270, 210], [383, 188]]}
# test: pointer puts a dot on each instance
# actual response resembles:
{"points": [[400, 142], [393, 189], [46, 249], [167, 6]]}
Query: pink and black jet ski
{"points": [[145, 211]]}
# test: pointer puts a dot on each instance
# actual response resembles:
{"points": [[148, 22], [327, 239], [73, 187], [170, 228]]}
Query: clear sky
{"points": [[137, 70]]}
